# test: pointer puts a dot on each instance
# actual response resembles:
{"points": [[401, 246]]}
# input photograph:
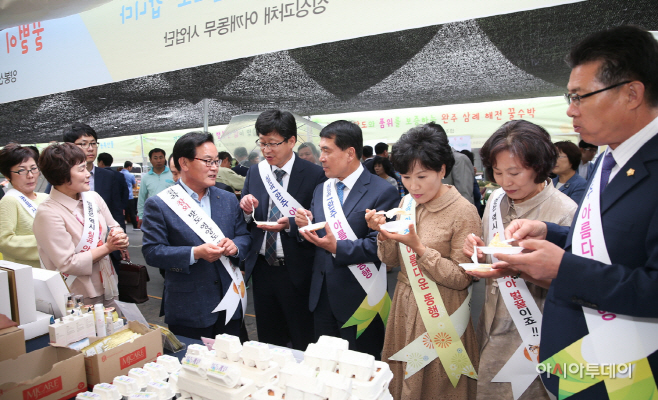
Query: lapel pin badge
{"points": [[630, 172]]}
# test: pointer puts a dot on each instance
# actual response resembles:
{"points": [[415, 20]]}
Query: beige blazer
{"points": [[58, 228]]}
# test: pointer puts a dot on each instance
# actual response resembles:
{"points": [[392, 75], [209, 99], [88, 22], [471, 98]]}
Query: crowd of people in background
{"points": [[302, 224]]}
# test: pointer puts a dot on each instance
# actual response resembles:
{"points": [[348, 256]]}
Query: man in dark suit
{"points": [[241, 155], [110, 185], [613, 97], [335, 291], [196, 279], [278, 263]]}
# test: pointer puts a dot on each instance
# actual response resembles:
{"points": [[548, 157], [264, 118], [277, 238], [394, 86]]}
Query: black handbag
{"points": [[132, 282]]}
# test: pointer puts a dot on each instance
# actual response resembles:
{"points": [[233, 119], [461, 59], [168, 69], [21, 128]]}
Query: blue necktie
{"points": [[270, 237], [608, 164], [340, 186]]}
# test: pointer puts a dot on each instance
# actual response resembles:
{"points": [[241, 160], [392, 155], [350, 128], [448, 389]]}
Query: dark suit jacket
{"points": [[345, 292], [575, 187], [629, 208], [240, 170], [367, 164], [191, 291], [304, 177]]}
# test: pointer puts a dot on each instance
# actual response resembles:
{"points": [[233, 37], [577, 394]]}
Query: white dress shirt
{"points": [[284, 182]]}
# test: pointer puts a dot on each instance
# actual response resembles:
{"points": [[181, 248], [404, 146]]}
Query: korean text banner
{"points": [[467, 125], [126, 39]]}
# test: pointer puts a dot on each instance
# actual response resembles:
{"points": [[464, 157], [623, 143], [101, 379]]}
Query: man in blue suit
{"points": [[613, 97], [110, 185], [196, 279], [335, 292], [279, 265]]}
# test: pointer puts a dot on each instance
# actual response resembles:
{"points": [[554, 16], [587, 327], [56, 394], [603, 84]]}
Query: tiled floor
{"points": [[151, 308]]}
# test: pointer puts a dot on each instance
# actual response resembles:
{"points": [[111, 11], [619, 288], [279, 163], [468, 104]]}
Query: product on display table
{"points": [[107, 391]]}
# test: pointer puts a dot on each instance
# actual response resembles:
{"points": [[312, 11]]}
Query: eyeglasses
{"points": [[269, 145], [86, 145], [21, 172], [209, 163], [575, 98]]}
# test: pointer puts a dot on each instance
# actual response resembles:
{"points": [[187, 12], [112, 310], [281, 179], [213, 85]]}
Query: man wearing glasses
{"points": [[279, 264], [601, 313], [110, 185], [197, 233]]}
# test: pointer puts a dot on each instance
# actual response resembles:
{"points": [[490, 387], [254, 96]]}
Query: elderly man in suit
{"points": [[600, 308], [198, 234], [278, 263], [336, 292]]}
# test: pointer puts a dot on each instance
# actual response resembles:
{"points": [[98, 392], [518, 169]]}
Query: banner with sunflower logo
{"points": [[441, 332]]}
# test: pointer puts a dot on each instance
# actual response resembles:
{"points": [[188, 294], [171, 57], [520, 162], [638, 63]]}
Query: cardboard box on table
{"points": [[5, 298], [104, 367], [50, 373], [21, 291], [12, 343]]}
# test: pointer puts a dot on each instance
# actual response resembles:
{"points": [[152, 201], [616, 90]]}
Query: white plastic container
{"points": [[173, 382], [336, 343], [269, 392], [224, 374], [162, 389], [256, 354], [336, 386], [144, 396], [99, 319], [199, 388], [195, 365], [107, 391], [227, 347], [292, 372], [157, 371], [197, 350], [376, 385], [321, 358], [359, 366], [170, 363], [305, 389], [141, 376], [282, 356], [87, 396], [126, 385]]}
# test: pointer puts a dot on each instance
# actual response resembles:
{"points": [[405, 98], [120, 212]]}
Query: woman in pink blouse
{"points": [[72, 226]]}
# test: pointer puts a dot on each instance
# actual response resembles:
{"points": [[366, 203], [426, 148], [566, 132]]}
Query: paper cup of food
{"points": [[476, 267], [313, 227], [501, 250], [395, 226], [266, 223]]}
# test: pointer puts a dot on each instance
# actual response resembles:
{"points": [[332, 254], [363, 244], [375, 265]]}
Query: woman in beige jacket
{"points": [[443, 220], [62, 221], [518, 156]]}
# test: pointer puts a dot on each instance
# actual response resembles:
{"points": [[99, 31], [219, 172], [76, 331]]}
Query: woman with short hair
{"points": [[429, 256], [72, 225], [309, 152], [568, 181], [519, 157], [18, 207]]}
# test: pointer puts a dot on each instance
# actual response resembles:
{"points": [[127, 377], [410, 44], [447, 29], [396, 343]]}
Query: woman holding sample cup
{"points": [[74, 228], [18, 207], [428, 348], [519, 157]]}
